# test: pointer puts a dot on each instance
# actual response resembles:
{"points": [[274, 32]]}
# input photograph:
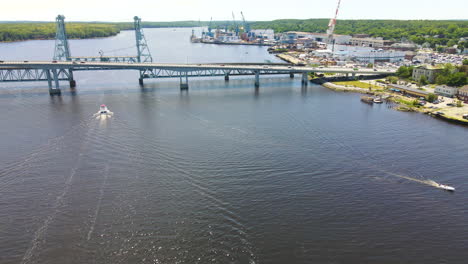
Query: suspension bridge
{"points": [[63, 65]]}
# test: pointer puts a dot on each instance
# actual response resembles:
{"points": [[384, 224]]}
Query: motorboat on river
{"points": [[445, 187], [103, 109], [103, 112]]}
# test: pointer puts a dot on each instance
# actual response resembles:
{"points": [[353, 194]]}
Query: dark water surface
{"points": [[223, 173]]}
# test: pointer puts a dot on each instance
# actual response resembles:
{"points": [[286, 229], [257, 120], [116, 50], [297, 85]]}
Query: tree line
{"points": [[432, 32], [27, 31]]}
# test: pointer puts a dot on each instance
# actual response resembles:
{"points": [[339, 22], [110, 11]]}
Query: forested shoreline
{"points": [[433, 32]]}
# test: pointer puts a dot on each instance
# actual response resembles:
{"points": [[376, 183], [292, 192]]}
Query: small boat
{"points": [[445, 187], [367, 99], [103, 109], [378, 100]]}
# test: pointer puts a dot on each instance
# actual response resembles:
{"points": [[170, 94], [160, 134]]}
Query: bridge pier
{"points": [[354, 75], [305, 78], [184, 85], [71, 79], [50, 78], [257, 79], [291, 75], [226, 77], [140, 81]]}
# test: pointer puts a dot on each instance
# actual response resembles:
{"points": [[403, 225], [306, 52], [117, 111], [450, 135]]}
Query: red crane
{"points": [[331, 27]]}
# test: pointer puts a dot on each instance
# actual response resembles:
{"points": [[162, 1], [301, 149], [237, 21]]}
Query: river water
{"points": [[223, 173]]}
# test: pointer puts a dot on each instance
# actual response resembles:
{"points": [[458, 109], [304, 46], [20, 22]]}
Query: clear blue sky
{"points": [[171, 10]]}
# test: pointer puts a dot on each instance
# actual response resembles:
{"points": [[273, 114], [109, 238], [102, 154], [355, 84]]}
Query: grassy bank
{"points": [[359, 84]]}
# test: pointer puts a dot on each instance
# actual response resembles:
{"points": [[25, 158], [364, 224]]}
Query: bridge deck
{"points": [[261, 68]]}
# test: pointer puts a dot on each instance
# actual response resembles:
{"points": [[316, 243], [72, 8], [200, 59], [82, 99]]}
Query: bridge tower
{"points": [[144, 55], [62, 50]]}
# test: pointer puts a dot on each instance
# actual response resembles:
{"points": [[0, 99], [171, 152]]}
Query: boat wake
{"points": [[426, 182]]}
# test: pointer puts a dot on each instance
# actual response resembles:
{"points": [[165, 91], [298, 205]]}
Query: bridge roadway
{"points": [[14, 71]]}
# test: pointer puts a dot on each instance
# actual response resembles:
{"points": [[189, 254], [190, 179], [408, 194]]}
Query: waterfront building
{"points": [[445, 90], [463, 94], [426, 70], [361, 54]]}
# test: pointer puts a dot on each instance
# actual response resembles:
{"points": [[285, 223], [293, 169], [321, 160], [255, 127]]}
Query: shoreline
{"points": [[400, 107]]}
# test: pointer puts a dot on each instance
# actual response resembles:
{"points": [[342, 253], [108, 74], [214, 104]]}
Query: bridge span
{"points": [[55, 71], [63, 65]]}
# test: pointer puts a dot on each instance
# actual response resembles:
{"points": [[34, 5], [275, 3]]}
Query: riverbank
{"points": [[403, 103]]}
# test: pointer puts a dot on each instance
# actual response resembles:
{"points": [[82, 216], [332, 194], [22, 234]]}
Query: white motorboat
{"points": [[103, 109], [445, 187], [103, 112], [378, 100]]}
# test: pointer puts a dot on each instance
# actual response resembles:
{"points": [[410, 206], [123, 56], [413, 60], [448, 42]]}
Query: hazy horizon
{"points": [[261, 10], [174, 21]]}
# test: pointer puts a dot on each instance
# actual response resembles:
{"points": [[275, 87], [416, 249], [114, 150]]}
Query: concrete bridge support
{"points": [[71, 79], [51, 80], [226, 77], [305, 79], [184, 85], [291, 75], [257, 79]]}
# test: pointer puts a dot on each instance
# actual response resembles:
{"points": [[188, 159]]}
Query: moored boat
{"points": [[378, 100]]}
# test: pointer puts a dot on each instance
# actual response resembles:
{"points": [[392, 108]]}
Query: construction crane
{"points": [[246, 25], [209, 28], [236, 26], [331, 28]]}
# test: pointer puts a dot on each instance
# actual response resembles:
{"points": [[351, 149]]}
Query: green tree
{"points": [[457, 79], [465, 62], [432, 97], [392, 79], [423, 80], [404, 72], [459, 103]]}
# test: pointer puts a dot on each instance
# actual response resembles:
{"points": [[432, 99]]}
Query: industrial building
{"points": [[361, 54], [292, 37], [371, 42], [267, 34], [379, 56]]}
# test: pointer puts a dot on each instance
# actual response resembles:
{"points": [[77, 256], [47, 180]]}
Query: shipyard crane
{"points": [[236, 26], [246, 25], [209, 28], [331, 27]]}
